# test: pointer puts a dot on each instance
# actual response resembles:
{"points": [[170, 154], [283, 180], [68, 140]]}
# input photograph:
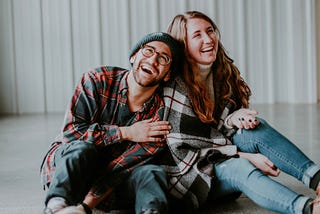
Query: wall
{"points": [[317, 21], [46, 45]]}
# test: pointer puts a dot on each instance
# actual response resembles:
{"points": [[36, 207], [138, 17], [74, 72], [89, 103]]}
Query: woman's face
{"points": [[202, 43]]}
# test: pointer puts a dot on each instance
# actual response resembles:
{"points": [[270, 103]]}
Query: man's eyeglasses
{"points": [[149, 51]]}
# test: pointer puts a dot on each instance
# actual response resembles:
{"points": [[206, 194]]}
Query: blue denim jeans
{"points": [[145, 189], [282, 152], [240, 175], [77, 165]]}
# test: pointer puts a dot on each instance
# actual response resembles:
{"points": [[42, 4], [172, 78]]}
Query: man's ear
{"points": [[167, 77], [132, 58]]}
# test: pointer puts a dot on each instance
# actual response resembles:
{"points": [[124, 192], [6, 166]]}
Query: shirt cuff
{"points": [[226, 122]]}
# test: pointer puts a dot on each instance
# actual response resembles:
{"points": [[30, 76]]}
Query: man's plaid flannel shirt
{"points": [[98, 107]]}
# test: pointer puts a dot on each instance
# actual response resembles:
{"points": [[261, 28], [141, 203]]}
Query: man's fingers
{"points": [[157, 133], [156, 139], [160, 127]]}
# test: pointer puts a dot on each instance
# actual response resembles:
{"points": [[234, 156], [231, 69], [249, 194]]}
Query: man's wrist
{"points": [[123, 132]]}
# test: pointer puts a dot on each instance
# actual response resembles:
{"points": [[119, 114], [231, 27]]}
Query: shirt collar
{"points": [[123, 85], [123, 88]]}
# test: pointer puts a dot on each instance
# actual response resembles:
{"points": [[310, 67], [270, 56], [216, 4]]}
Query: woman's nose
{"points": [[207, 38]]}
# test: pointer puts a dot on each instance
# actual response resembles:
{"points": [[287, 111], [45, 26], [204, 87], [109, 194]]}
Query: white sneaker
{"points": [[55, 204], [72, 210], [316, 205]]}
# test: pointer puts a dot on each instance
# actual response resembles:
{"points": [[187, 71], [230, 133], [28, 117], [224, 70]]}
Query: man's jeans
{"points": [[145, 188], [77, 166]]}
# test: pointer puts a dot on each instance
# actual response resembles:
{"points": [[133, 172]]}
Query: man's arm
{"points": [[83, 119]]}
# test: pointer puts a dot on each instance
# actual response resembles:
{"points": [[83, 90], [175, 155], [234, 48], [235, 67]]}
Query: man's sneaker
{"points": [[47, 211], [54, 205], [72, 210], [149, 211], [316, 205]]}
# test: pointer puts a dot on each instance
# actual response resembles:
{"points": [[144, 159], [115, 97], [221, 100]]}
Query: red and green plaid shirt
{"points": [[97, 109]]}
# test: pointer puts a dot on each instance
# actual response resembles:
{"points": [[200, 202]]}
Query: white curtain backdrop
{"points": [[46, 45]]}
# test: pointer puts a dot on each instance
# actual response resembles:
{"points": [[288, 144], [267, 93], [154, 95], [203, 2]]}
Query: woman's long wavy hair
{"points": [[228, 84]]}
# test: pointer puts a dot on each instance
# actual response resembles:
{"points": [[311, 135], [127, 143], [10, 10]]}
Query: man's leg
{"points": [[76, 165], [149, 184]]}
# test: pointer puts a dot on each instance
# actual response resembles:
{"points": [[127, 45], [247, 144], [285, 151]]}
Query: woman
{"points": [[207, 106]]}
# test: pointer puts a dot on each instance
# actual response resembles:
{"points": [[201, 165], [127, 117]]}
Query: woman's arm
{"points": [[261, 162]]}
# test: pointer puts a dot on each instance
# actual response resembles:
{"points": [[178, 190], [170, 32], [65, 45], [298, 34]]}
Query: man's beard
{"points": [[151, 83]]}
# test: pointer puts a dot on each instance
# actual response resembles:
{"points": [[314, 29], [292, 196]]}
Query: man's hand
{"points": [[261, 162], [244, 118], [146, 131]]}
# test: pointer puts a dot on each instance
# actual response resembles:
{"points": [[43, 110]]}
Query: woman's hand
{"points": [[261, 162], [243, 119]]}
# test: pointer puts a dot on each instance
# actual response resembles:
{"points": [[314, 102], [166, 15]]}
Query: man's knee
{"points": [[78, 148], [149, 169], [78, 151]]}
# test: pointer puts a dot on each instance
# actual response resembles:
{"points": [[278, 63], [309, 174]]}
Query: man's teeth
{"points": [[147, 70]]}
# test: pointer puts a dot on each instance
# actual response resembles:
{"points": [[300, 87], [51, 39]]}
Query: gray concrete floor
{"points": [[25, 138]]}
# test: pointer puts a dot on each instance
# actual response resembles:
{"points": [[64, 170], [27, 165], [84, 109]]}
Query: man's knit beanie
{"points": [[174, 45]]}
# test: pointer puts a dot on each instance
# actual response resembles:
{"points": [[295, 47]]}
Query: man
{"points": [[112, 129]]}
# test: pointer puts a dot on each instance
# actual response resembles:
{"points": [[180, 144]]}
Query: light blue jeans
{"points": [[240, 175]]}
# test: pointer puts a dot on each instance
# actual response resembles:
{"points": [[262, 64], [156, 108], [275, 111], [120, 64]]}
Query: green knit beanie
{"points": [[174, 45]]}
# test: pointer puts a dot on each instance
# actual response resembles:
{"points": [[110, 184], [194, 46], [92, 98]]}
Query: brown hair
{"points": [[228, 84]]}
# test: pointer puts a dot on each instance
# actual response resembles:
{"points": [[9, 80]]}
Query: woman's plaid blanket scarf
{"points": [[189, 142]]}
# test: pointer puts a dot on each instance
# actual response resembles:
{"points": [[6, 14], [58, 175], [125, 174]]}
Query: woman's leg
{"points": [[238, 174], [281, 151]]}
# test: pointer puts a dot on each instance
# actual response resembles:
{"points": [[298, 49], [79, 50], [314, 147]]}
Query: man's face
{"points": [[149, 64]]}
